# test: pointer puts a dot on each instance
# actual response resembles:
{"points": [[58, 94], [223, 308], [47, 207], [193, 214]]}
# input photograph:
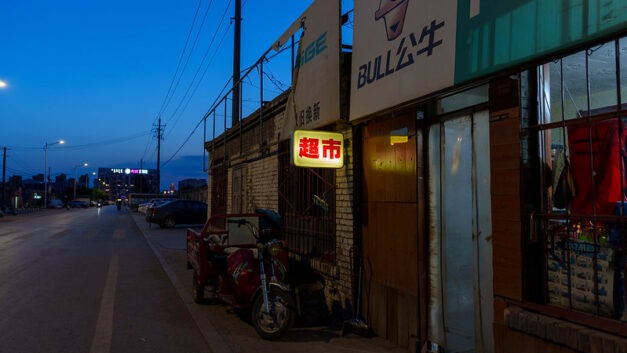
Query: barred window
{"points": [[307, 206], [581, 210]]}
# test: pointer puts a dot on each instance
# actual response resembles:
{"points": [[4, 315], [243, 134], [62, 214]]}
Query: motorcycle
{"points": [[244, 275]]}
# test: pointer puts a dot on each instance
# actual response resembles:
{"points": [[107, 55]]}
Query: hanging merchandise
{"points": [[597, 177]]}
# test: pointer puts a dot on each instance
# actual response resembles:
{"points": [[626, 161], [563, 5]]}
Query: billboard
{"points": [[408, 49], [314, 99], [401, 50]]}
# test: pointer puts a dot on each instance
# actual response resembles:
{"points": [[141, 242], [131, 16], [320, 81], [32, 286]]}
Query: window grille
{"points": [[307, 207], [581, 133]]}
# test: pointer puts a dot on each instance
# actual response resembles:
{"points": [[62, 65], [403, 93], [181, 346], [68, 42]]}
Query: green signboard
{"points": [[494, 34], [408, 49]]}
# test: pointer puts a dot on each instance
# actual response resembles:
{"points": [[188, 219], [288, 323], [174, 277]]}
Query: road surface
{"points": [[85, 280]]}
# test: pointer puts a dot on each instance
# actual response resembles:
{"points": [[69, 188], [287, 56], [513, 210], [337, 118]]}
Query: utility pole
{"points": [[4, 172], [236, 63], [159, 157], [141, 176]]}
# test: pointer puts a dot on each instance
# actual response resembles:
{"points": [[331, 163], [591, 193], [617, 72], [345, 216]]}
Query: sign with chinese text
{"points": [[314, 100], [402, 50], [128, 171], [317, 149]]}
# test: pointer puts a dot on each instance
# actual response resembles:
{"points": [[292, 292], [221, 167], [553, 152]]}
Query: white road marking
{"points": [[104, 326]]}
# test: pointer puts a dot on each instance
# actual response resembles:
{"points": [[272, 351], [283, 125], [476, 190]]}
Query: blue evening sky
{"points": [[97, 73]]}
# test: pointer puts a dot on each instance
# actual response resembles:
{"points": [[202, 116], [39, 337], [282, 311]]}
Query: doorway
{"points": [[460, 247]]}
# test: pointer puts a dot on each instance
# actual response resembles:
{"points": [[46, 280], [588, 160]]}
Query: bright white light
{"points": [[3, 84]]}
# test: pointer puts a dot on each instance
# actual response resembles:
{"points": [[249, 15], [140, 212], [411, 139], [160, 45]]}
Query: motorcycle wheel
{"points": [[198, 290], [273, 325]]}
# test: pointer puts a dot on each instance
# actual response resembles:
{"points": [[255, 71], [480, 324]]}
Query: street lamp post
{"points": [[3, 85], [46, 176], [93, 189], [76, 166]]}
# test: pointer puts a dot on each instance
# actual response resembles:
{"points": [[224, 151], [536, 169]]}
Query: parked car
{"points": [[77, 204], [55, 204], [144, 207], [169, 214]]}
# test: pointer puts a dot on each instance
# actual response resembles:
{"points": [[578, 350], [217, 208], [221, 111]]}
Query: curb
{"points": [[214, 340]]}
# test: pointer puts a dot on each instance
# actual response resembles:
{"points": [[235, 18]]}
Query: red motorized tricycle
{"points": [[240, 259]]}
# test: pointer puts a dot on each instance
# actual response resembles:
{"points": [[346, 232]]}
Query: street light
{"points": [[46, 176], [76, 166], [93, 189]]}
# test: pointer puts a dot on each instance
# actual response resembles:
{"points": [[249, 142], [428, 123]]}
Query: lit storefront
{"points": [[500, 216]]}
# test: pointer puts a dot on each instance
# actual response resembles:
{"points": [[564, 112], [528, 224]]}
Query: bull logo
{"points": [[393, 14]]}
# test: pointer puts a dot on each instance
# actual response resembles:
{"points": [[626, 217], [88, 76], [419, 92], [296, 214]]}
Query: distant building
{"points": [[193, 189], [118, 182], [192, 183], [15, 182]]}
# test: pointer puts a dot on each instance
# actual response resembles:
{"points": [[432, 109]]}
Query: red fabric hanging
{"points": [[597, 178]]}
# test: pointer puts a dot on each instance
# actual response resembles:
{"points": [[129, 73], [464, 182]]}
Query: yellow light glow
{"points": [[398, 139], [317, 149]]}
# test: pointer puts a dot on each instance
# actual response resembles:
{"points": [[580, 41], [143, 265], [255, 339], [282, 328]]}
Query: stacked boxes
{"points": [[580, 275]]}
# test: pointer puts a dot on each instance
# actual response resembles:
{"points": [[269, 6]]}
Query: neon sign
{"points": [[317, 149], [128, 171]]}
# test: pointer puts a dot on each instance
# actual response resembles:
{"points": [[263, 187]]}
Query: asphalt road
{"points": [[85, 280]]}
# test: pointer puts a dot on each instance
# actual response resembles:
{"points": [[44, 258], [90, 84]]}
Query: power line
{"points": [[201, 77], [105, 142], [87, 145], [189, 33], [184, 142], [196, 75], [189, 55]]}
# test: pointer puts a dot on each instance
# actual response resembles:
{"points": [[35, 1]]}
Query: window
{"points": [[307, 207], [580, 211]]}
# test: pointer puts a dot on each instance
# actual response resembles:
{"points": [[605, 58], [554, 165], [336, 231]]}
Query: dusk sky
{"points": [[96, 74]]}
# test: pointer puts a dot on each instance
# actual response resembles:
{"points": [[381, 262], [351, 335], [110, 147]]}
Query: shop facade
{"points": [[480, 199], [476, 118], [252, 166]]}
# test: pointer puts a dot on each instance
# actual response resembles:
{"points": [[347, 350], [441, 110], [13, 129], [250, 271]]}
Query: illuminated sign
{"points": [[317, 149], [128, 171], [399, 136]]}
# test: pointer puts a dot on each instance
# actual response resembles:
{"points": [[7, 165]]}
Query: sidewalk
{"points": [[224, 330], [11, 214]]}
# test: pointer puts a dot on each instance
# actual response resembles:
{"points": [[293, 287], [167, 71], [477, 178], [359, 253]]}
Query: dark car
{"points": [[169, 214], [77, 204]]}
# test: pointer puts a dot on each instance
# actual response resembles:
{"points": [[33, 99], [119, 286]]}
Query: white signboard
{"points": [[402, 50], [314, 101]]}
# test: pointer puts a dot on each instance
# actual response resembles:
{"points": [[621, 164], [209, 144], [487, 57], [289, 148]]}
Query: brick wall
{"points": [[256, 149], [547, 334], [344, 213], [262, 184]]}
